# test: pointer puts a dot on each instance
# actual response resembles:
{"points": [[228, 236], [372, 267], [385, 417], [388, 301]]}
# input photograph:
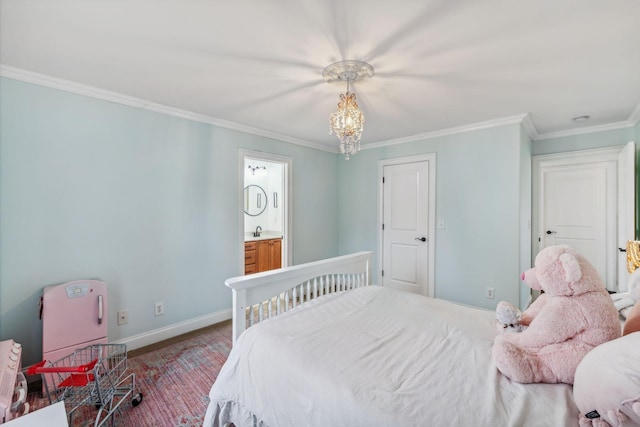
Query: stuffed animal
{"points": [[507, 313], [606, 387], [574, 315], [508, 318], [607, 384]]}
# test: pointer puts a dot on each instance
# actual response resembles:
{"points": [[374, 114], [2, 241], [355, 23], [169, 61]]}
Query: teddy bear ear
{"points": [[571, 266]]}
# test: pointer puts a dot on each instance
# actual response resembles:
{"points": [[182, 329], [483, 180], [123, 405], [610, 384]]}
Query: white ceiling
{"points": [[257, 64]]}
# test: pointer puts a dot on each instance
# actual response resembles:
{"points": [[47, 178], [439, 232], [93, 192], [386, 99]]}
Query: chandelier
{"points": [[347, 123]]}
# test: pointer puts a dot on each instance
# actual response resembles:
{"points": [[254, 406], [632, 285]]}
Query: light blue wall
{"points": [[603, 139], [144, 201], [525, 214], [478, 195], [147, 203]]}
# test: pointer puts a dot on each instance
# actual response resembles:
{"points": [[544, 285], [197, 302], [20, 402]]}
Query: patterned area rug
{"points": [[174, 380]]}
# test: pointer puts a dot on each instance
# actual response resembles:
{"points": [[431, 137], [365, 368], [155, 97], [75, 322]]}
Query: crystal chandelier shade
{"points": [[347, 123]]}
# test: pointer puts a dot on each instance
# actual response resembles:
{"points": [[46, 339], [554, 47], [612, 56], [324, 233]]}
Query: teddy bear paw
{"points": [[592, 422], [514, 362]]}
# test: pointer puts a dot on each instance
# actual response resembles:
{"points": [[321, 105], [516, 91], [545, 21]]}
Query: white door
{"points": [[575, 211], [575, 198], [405, 230], [626, 208]]}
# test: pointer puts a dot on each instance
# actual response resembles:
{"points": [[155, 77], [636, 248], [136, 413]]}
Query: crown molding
{"points": [[585, 130], [634, 118], [523, 119], [451, 131], [529, 127], [118, 98]]}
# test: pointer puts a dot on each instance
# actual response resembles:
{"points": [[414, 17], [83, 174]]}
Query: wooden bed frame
{"points": [[259, 296]]}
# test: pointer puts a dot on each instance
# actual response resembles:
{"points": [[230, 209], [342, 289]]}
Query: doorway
{"points": [[583, 199], [407, 223], [264, 209]]}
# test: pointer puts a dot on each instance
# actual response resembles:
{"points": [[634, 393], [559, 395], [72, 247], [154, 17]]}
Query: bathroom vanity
{"points": [[262, 254]]}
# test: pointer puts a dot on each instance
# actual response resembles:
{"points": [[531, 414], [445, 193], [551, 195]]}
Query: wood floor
{"points": [[171, 341]]}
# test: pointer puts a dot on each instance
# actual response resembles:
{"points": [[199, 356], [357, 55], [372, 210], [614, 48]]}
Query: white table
{"points": [[49, 416]]}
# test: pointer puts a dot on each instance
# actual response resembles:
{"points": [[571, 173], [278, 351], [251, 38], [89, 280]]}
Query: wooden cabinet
{"points": [[262, 255], [250, 256], [276, 254], [269, 254]]}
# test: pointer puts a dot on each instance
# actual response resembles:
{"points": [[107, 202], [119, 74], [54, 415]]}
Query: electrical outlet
{"points": [[159, 310], [123, 317], [490, 293]]}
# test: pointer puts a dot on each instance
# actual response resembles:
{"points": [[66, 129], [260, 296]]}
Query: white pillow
{"points": [[633, 285], [608, 381]]}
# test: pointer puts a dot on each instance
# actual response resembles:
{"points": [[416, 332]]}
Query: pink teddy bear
{"points": [[574, 315]]}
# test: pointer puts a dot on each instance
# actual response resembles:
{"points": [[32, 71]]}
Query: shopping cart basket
{"points": [[94, 376]]}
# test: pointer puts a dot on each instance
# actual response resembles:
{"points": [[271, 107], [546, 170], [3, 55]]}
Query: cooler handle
{"points": [[99, 309]]}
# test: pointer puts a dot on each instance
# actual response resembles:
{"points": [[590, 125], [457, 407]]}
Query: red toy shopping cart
{"points": [[94, 376]]}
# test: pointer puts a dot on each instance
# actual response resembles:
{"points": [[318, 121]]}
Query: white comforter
{"points": [[378, 357]]}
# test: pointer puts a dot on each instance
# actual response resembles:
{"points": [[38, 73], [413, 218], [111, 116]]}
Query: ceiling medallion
{"points": [[347, 123]]}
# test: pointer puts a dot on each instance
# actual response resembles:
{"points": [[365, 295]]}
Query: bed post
{"points": [[367, 272], [239, 323]]}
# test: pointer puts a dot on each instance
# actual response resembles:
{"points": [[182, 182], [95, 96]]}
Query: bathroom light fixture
{"points": [[254, 168], [347, 123]]}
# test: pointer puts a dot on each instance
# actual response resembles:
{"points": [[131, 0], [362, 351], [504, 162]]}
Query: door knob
{"points": [[550, 232], [422, 239]]}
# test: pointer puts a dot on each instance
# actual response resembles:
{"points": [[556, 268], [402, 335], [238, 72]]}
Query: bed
{"points": [[317, 345]]}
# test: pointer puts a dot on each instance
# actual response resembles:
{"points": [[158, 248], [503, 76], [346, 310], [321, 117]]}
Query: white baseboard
{"points": [[161, 334]]}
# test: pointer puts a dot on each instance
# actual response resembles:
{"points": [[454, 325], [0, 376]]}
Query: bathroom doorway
{"points": [[264, 208]]}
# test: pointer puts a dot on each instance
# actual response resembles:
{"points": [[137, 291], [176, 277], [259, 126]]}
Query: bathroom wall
{"points": [[271, 179]]}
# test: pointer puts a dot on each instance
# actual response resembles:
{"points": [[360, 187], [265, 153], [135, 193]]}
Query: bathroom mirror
{"points": [[255, 200]]}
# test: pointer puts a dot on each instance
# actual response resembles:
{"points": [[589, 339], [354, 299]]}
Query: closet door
{"points": [[575, 212], [406, 227], [575, 198]]}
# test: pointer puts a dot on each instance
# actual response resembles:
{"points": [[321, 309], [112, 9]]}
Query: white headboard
{"points": [[267, 294]]}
